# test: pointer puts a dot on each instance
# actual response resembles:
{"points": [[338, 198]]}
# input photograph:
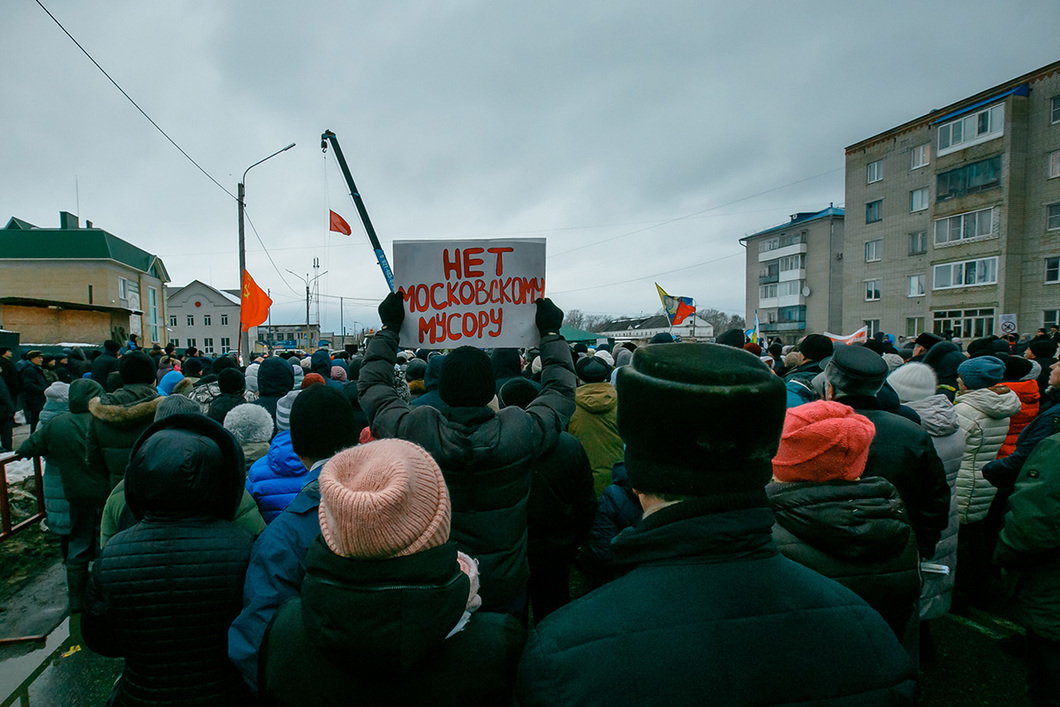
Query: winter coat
{"points": [[1002, 473], [277, 567], [56, 504], [1028, 548], [118, 418], [276, 478], [618, 509], [486, 458], [1029, 396], [562, 503], [431, 379], [163, 592], [710, 613], [275, 378], [984, 415], [855, 532], [205, 394], [375, 632], [33, 385], [595, 424], [11, 376], [7, 402], [103, 366], [903, 453], [77, 363], [939, 419]]}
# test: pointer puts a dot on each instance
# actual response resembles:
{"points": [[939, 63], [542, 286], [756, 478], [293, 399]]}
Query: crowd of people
{"points": [[741, 525]]}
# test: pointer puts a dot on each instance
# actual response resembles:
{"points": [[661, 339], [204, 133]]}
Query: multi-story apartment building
{"points": [[955, 216], [794, 275], [204, 317], [49, 274]]}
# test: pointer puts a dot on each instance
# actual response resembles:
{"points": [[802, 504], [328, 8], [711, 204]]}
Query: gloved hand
{"points": [[392, 311], [549, 317]]}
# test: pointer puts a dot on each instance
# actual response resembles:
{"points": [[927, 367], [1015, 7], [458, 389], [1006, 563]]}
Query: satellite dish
{"points": [[805, 291]]}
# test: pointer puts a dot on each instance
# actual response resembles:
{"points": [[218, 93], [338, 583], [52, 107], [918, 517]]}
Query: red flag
{"points": [[254, 304], [339, 225]]}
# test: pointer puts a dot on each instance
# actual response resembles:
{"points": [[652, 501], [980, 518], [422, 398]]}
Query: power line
{"points": [[648, 277], [267, 255], [142, 111]]}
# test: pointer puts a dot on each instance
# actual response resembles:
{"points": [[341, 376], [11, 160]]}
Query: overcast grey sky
{"points": [[638, 138]]}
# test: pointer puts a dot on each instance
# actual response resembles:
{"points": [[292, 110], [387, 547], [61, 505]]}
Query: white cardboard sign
{"points": [[470, 292], [1007, 324]]}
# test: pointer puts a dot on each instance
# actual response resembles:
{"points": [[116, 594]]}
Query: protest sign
{"points": [[470, 292]]}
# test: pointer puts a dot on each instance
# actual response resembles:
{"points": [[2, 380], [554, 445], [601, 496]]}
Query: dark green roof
{"points": [[22, 240]]}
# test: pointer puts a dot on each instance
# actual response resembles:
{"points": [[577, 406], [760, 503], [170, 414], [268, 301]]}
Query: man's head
{"points": [[35, 357], [593, 369], [854, 370], [924, 342], [700, 420], [1041, 349], [5, 352], [816, 347], [111, 346], [467, 378], [322, 423], [170, 348], [1054, 375], [136, 367]]}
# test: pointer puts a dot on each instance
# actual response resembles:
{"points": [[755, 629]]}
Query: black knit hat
{"points": [[111, 346], [1015, 367], [733, 337], [467, 378], [230, 380], [816, 347], [700, 420], [593, 369], [136, 367], [322, 422], [1043, 348]]}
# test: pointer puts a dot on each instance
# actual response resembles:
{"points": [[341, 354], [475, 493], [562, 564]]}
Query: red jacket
{"points": [[1029, 396]]}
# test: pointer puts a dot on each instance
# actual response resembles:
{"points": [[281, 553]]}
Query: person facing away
{"points": [[708, 612], [486, 456], [595, 419], [832, 520], [389, 609], [164, 591]]}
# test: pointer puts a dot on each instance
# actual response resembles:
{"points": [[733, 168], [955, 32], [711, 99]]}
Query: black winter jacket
{"points": [[103, 366], [373, 632], [486, 459], [562, 502], [711, 614], [33, 385], [904, 454], [855, 532], [118, 418]]}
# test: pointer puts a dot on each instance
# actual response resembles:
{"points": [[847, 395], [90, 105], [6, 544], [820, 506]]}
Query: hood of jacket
{"points": [[320, 362], [183, 466], [433, 376], [944, 358], [127, 406], [282, 459], [385, 616], [596, 398], [937, 416], [849, 519], [82, 391], [275, 378], [169, 382], [997, 402], [1028, 391]]}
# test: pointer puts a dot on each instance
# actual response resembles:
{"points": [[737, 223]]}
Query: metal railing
{"points": [[7, 528]]}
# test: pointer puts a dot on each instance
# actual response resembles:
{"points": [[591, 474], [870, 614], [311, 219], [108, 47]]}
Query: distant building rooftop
{"points": [[799, 218]]}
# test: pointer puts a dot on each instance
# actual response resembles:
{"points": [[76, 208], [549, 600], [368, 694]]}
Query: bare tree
{"points": [[721, 321]]}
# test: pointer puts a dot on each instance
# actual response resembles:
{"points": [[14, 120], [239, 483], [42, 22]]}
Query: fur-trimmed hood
{"points": [[129, 406]]}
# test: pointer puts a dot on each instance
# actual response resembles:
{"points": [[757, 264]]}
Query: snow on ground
{"points": [[17, 471]]}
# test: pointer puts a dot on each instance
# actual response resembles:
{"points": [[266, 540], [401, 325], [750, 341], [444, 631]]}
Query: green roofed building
{"points": [[77, 284]]}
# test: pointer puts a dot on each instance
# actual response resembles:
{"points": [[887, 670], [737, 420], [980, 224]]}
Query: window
{"points": [[1056, 109], [172, 320], [1052, 270], [123, 288], [918, 199], [207, 345], [963, 227], [1054, 164], [914, 326], [872, 326], [969, 179], [767, 292], [967, 273], [875, 171], [206, 320], [918, 243], [872, 290], [152, 311], [768, 245], [1050, 317], [191, 343], [792, 262], [921, 156], [972, 129], [224, 320], [226, 343], [874, 211], [1053, 219], [792, 314], [966, 323], [874, 250], [916, 285], [191, 320], [175, 342]]}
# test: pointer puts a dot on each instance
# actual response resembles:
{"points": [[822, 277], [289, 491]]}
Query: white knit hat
{"points": [[283, 410], [251, 376], [913, 381]]}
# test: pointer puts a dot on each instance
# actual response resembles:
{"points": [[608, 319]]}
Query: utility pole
{"points": [[308, 281]]}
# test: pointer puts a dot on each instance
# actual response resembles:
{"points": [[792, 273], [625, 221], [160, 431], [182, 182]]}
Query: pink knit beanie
{"points": [[823, 441], [383, 499]]}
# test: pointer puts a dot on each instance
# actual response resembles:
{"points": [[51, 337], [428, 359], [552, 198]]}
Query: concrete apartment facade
{"points": [[794, 275], [82, 270], [204, 317], [954, 217]]}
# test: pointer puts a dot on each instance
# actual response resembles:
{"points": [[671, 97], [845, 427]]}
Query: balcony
{"points": [[788, 275], [781, 326], [793, 249], [769, 279]]}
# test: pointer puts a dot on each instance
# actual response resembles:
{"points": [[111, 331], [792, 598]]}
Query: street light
{"points": [[308, 281], [244, 336]]}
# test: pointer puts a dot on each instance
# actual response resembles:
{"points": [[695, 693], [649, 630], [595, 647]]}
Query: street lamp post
{"points": [[244, 336], [308, 281]]}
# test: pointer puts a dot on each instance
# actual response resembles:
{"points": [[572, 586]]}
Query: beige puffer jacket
{"points": [[984, 415]]}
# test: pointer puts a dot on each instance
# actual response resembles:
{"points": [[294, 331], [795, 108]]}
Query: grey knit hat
{"points": [[252, 377], [249, 423], [913, 381], [283, 410]]}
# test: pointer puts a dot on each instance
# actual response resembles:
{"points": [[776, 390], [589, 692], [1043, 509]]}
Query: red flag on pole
{"points": [[254, 304], [339, 225]]}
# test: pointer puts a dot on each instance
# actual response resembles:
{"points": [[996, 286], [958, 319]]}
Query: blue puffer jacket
{"points": [[276, 478], [55, 502]]}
